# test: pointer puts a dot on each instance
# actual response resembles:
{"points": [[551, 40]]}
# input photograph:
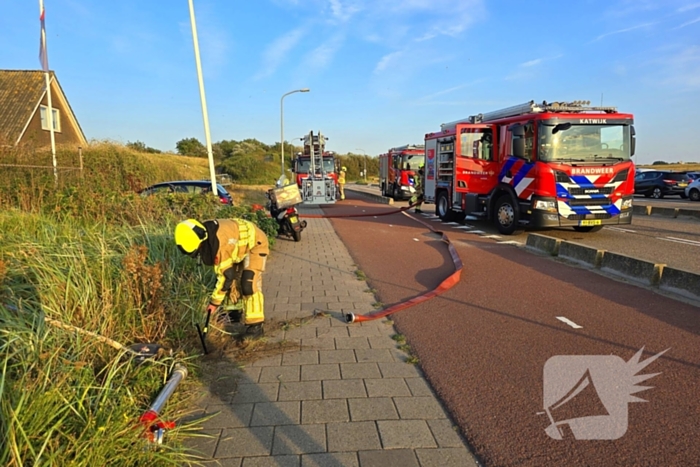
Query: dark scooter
{"points": [[288, 220]]}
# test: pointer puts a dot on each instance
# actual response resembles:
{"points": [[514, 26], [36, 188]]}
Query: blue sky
{"points": [[382, 73]]}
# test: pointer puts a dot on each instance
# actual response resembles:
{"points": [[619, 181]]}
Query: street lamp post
{"points": [[365, 154], [282, 124]]}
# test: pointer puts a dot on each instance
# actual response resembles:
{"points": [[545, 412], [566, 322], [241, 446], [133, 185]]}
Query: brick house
{"points": [[23, 111]]}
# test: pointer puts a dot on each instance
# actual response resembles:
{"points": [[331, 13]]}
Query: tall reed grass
{"points": [[91, 253]]}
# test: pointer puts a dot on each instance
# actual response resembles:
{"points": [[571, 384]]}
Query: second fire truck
{"points": [[398, 169], [538, 165]]}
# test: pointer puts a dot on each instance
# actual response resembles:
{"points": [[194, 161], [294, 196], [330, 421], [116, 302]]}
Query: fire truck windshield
{"points": [[303, 165], [412, 161], [583, 143]]}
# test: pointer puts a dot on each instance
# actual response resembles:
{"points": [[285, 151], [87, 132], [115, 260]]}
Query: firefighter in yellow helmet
{"points": [[341, 182], [238, 250]]}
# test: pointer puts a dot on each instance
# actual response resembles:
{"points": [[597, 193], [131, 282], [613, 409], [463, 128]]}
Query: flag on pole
{"points": [[43, 55]]}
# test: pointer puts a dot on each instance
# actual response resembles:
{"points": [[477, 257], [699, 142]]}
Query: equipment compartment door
{"points": [[477, 161]]}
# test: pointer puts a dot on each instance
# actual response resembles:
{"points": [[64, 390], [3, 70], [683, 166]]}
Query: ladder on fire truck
{"points": [[530, 107], [317, 187]]}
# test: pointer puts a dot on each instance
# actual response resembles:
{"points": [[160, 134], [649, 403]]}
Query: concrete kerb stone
{"points": [[372, 196], [634, 269], [681, 282], [581, 254], [543, 243]]}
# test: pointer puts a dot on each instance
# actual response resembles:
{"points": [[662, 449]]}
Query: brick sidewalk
{"points": [[342, 396]]}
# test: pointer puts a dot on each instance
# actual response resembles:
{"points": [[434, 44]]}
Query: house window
{"points": [[45, 119]]}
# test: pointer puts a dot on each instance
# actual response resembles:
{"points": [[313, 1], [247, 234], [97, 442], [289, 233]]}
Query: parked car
{"points": [[694, 175], [692, 192], [188, 186], [660, 183]]}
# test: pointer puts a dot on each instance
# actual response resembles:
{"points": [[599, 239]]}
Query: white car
{"points": [[692, 191]]}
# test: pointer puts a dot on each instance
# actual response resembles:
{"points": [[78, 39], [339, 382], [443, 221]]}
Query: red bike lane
{"points": [[483, 344]]}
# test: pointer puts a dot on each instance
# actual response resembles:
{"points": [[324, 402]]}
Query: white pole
{"points": [[49, 110], [212, 171], [282, 125]]}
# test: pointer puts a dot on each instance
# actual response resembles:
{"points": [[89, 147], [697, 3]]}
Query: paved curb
{"points": [[658, 275], [372, 196], [665, 212]]}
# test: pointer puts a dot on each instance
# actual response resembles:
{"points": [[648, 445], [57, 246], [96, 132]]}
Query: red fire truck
{"points": [[302, 164], [398, 169], [538, 165]]}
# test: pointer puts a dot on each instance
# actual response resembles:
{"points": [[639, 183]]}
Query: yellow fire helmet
{"points": [[189, 235], [344, 169]]}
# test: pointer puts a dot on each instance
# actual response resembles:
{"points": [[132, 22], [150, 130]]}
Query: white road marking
{"points": [[476, 231], [510, 242], [695, 242], [467, 227], [492, 236], [453, 223], [621, 230], [437, 220], [677, 240], [471, 218], [569, 322], [416, 240]]}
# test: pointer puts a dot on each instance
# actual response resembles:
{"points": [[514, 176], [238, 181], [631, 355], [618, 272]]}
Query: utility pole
{"points": [[202, 96]]}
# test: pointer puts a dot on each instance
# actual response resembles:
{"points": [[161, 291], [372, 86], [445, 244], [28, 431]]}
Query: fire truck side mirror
{"points": [[633, 142]]}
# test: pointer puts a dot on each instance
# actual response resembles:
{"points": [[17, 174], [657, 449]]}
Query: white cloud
{"points": [[688, 23], [689, 7], [321, 56], [430, 97], [387, 60], [682, 69], [277, 51], [621, 31]]}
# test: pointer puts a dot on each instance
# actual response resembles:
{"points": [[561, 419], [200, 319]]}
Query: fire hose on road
{"points": [[444, 286]]}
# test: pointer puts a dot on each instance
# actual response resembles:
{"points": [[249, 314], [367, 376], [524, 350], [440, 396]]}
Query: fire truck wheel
{"points": [[442, 208], [396, 193], [506, 215]]}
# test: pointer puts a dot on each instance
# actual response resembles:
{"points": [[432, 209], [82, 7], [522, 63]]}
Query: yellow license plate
{"points": [[293, 219], [593, 222], [682, 184]]}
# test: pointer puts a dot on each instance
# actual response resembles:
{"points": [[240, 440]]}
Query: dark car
{"points": [[188, 186], [657, 184]]}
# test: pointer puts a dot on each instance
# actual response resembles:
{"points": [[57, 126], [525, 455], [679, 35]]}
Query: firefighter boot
{"points": [[255, 331]]}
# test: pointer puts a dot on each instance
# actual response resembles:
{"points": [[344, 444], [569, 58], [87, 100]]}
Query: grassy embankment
{"points": [[90, 253], [672, 167]]}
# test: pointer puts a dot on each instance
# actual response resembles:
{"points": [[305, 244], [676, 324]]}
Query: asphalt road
{"points": [[484, 344], [665, 240], [670, 202]]}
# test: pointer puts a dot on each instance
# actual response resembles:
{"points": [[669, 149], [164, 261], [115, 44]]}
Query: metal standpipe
{"points": [[155, 428]]}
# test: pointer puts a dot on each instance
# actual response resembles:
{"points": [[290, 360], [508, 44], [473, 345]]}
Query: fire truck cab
{"points": [[398, 169], [536, 165]]}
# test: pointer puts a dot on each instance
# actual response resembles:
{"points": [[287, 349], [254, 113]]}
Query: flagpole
{"points": [[212, 171], [45, 66]]}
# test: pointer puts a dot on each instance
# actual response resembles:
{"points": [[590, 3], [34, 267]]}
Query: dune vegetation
{"points": [[85, 250]]}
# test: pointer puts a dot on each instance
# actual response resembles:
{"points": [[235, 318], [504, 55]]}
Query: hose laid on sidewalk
{"points": [[444, 286]]}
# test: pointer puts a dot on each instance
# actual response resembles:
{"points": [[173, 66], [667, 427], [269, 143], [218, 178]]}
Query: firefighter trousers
{"points": [[247, 285]]}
